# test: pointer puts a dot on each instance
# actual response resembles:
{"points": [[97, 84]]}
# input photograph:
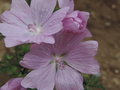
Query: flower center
{"points": [[60, 63], [34, 30]]}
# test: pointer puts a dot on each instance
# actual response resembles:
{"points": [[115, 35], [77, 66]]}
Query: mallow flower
{"points": [[59, 65], [13, 84], [31, 24], [75, 21]]}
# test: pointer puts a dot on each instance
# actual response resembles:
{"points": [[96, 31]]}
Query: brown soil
{"points": [[104, 23]]}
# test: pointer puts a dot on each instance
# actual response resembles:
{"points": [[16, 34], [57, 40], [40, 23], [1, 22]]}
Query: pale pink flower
{"points": [[13, 84], [75, 21], [58, 65], [34, 24]]}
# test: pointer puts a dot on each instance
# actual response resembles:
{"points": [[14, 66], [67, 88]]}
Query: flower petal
{"points": [[13, 84], [38, 56], [9, 18], [65, 41], [54, 24], [88, 33], [11, 41], [42, 78], [42, 10], [19, 5], [85, 15], [11, 30], [68, 79], [21, 10], [82, 58], [66, 3], [49, 39]]}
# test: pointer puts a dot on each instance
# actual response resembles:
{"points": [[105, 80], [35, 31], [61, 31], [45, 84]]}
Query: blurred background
{"points": [[104, 23]]}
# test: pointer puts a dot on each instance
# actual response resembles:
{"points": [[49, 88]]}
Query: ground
{"points": [[104, 23]]}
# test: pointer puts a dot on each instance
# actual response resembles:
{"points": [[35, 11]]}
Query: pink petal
{"points": [[42, 78], [66, 3], [38, 56], [68, 79], [65, 41], [8, 17], [11, 41], [19, 5], [13, 84], [42, 10], [82, 59], [85, 15], [11, 30], [21, 10], [71, 25], [38, 39], [88, 33], [27, 38], [54, 24], [49, 39]]}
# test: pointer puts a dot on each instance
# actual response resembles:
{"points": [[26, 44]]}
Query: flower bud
{"points": [[76, 21]]}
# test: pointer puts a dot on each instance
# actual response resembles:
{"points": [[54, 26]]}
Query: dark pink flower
{"points": [[13, 84], [75, 21], [34, 24], [59, 64]]}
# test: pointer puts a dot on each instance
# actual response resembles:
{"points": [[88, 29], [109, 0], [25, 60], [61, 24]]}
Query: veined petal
{"points": [[38, 39], [66, 41], [11, 33], [38, 56], [21, 10], [54, 24], [42, 78], [68, 79], [87, 66], [82, 58], [66, 3], [42, 10], [9, 18], [19, 5], [11, 41], [11, 30]]}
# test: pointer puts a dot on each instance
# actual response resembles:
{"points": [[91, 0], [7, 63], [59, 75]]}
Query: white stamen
{"points": [[59, 62], [34, 30]]}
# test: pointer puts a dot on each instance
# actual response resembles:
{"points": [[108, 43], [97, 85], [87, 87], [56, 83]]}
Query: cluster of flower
{"points": [[57, 55]]}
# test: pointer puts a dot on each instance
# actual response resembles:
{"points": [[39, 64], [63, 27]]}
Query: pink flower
{"points": [[75, 21], [59, 64], [34, 24], [13, 84]]}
